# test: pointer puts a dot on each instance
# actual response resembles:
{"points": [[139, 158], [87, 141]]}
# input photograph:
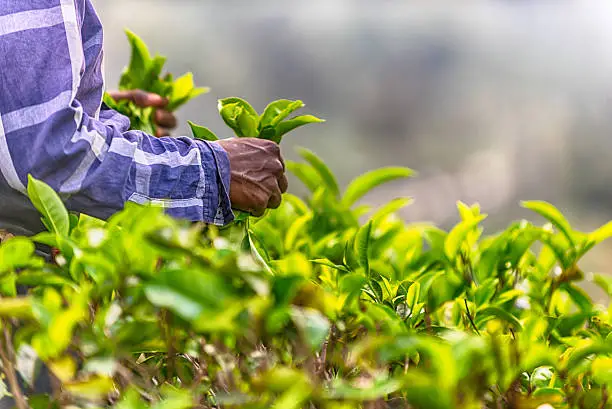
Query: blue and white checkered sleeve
{"points": [[96, 164]]}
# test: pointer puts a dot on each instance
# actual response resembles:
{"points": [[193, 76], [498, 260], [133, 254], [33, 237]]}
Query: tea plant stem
{"points": [[166, 322], [428, 321], [7, 354], [604, 397], [469, 315]]}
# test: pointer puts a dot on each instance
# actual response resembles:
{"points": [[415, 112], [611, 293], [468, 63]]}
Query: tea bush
{"points": [[322, 303]]}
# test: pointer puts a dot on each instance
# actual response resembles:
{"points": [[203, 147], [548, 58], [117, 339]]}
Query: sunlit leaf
{"points": [[49, 204], [313, 326], [553, 215], [456, 237], [363, 184], [201, 132], [325, 174]]}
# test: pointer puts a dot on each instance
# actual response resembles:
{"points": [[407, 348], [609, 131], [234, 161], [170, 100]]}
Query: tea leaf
{"points": [[287, 110], [361, 185], [601, 234], [291, 124], [273, 110], [388, 209], [456, 237], [140, 60], [322, 170], [553, 215], [487, 313], [313, 325], [49, 204], [362, 243], [306, 173], [201, 132]]}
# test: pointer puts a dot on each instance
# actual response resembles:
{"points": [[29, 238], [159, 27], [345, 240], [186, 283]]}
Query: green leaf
{"points": [[16, 307], [553, 215], [457, 236], [165, 297], [362, 244], [579, 296], [602, 370], [183, 90], [487, 313], [258, 250], [413, 295], [604, 282], [95, 388], [361, 185], [322, 170], [140, 60], [229, 113], [306, 173], [293, 123], [581, 353], [239, 102], [201, 132], [49, 204], [14, 253], [327, 263], [379, 388], [601, 234], [425, 393], [240, 116], [313, 326], [485, 291], [285, 288], [297, 228], [288, 110], [352, 283], [389, 208], [295, 397], [275, 109]]}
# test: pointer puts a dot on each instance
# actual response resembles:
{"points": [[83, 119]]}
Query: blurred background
{"points": [[490, 101]]}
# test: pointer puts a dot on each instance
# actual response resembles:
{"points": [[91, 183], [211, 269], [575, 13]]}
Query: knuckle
{"points": [[278, 166], [275, 149], [261, 203]]}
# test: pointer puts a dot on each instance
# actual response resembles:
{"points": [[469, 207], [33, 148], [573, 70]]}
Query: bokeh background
{"points": [[490, 101]]}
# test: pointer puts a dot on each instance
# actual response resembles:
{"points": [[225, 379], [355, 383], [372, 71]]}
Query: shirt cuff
{"points": [[221, 214]]}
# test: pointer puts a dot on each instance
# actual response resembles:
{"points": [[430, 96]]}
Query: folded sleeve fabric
{"points": [[54, 126]]}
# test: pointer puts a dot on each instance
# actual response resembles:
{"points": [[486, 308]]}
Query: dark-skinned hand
{"points": [[257, 174], [164, 120]]}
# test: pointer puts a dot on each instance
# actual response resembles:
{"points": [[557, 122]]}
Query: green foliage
{"points": [[319, 310], [245, 122], [322, 304], [144, 72], [272, 124]]}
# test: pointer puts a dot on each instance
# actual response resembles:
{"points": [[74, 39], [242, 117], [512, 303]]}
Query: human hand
{"points": [[164, 120], [257, 174]]}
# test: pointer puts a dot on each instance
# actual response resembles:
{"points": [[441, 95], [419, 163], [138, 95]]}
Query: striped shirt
{"points": [[54, 126]]}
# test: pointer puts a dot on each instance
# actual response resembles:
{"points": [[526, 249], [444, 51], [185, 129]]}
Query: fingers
{"points": [[283, 184], [165, 119], [140, 98], [258, 178], [161, 132], [276, 197], [258, 213]]}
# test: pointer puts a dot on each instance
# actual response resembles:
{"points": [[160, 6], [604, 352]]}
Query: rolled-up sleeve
{"points": [[95, 162]]}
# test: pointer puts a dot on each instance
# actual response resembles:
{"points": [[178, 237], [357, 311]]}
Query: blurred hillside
{"points": [[491, 101]]}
